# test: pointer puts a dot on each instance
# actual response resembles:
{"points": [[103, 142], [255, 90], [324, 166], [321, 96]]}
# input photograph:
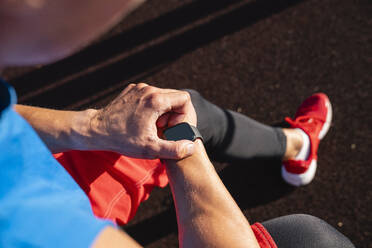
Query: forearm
{"points": [[207, 214], [60, 130], [112, 237]]}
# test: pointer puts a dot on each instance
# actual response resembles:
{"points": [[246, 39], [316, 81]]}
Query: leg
{"points": [[230, 135], [305, 231]]}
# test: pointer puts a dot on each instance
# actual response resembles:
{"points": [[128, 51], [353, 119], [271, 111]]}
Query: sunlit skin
{"points": [[61, 33], [43, 31]]}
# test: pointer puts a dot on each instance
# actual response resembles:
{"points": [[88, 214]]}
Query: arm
{"points": [[207, 215], [60, 130], [128, 125], [112, 237]]}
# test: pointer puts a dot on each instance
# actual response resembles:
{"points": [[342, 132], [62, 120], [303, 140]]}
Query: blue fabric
{"points": [[40, 204]]}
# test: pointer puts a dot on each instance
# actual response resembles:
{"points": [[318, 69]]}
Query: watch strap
{"points": [[197, 133]]}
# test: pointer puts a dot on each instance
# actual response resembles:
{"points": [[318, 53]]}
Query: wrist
{"points": [[199, 151], [84, 130], [198, 158]]}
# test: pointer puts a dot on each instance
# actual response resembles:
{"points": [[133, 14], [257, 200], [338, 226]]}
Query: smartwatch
{"points": [[182, 131]]}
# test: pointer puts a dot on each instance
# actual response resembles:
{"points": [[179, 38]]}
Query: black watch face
{"points": [[181, 131]]}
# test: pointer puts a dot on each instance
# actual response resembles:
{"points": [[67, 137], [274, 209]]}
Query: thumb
{"points": [[175, 149]]}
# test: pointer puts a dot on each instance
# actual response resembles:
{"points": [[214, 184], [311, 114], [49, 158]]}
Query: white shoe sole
{"points": [[308, 175], [328, 122]]}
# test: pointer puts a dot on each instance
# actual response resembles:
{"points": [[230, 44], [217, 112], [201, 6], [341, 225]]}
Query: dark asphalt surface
{"points": [[259, 57]]}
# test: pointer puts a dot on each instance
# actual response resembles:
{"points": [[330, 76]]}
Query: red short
{"points": [[116, 185]]}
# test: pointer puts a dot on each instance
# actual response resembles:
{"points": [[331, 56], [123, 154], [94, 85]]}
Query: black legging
{"points": [[229, 135], [305, 231]]}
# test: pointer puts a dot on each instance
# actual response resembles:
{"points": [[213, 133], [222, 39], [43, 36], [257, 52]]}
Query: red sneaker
{"points": [[314, 118]]}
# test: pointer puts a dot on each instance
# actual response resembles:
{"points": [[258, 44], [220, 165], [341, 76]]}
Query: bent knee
{"points": [[308, 230]]}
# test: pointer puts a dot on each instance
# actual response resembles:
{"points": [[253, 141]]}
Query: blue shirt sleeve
{"points": [[40, 204]]}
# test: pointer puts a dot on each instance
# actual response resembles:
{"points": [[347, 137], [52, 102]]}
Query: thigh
{"points": [[305, 231], [212, 121], [230, 135]]}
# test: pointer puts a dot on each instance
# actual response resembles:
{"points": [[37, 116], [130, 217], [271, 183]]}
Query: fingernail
{"points": [[190, 149]]}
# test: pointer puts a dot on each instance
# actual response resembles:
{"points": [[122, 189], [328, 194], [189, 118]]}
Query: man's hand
{"points": [[130, 124]]}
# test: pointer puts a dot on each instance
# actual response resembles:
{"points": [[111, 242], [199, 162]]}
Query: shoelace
{"points": [[303, 119]]}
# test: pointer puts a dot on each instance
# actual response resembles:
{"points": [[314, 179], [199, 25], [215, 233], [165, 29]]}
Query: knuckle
{"points": [[129, 87], [141, 85], [154, 100], [187, 95], [150, 141], [148, 90], [178, 151], [194, 95]]}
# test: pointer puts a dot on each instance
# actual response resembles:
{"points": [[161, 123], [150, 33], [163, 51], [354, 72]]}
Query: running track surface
{"points": [[261, 58]]}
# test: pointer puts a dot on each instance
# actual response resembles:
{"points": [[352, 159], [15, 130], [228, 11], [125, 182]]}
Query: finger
{"points": [[152, 89], [175, 119], [127, 89], [163, 120], [179, 102], [149, 90], [141, 86], [135, 88], [166, 90], [174, 149]]}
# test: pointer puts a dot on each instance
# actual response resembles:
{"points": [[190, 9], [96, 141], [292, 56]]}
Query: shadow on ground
{"points": [[260, 57], [81, 76], [251, 183]]}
